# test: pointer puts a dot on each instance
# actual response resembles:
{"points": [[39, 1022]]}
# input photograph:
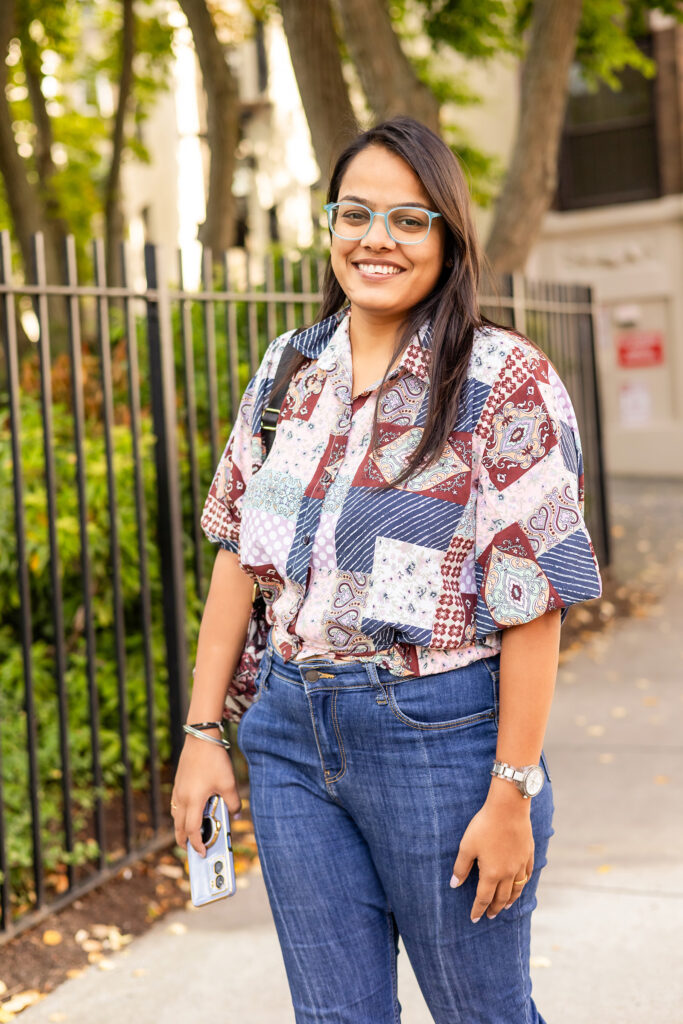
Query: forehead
{"points": [[382, 178]]}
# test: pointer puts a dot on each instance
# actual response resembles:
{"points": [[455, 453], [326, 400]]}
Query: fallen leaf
{"points": [[57, 1018], [51, 937], [106, 965], [618, 531], [619, 712], [3, 988], [170, 870], [595, 730], [91, 946], [662, 780], [605, 758], [23, 999], [177, 928], [604, 869], [242, 825], [643, 684], [95, 957], [139, 972], [81, 935], [75, 972], [650, 702], [540, 961], [5, 1018]]}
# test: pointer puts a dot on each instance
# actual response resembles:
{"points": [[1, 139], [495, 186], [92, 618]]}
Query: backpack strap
{"points": [[271, 411]]}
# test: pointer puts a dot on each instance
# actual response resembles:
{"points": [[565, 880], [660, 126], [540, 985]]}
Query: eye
{"points": [[354, 214], [410, 220]]}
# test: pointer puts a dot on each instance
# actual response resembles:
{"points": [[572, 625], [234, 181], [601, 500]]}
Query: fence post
{"points": [[170, 524]]}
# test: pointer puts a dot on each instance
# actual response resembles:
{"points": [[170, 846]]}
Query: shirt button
{"points": [[307, 538]]}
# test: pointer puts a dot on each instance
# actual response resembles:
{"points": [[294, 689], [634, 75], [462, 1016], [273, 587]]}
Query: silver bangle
{"points": [[191, 731]]}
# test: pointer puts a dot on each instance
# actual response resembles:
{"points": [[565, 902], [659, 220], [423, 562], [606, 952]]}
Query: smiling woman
{"points": [[417, 532]]}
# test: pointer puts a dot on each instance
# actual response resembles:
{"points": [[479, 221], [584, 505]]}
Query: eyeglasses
{"points": [[406, 225]]}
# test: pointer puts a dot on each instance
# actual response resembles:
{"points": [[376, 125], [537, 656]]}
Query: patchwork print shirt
{"points": [[422, 577]]}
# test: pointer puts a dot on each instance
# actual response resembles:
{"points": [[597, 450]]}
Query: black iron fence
{"points": [[114, 405]]}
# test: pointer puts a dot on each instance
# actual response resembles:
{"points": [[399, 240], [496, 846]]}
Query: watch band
{"points": [[528, 780]]}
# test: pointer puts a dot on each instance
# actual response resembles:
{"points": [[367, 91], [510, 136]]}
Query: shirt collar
{"points": [[416, 357]]}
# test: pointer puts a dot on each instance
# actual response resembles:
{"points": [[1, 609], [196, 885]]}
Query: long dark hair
{"points": [[452, 306]]}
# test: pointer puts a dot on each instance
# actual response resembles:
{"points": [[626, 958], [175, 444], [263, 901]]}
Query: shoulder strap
{"points": [[271, 411]]}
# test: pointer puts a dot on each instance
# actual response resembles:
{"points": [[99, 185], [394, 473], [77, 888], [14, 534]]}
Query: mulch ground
{"points": [[107, 918]]}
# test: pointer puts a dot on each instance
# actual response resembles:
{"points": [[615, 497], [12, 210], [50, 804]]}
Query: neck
{"points": [[371, 333]]}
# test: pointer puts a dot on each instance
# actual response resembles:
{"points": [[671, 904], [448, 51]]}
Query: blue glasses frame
{"points": [[330, 207]]}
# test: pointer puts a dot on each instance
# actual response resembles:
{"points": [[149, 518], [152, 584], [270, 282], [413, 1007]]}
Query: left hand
{"points": [[499, 837]]}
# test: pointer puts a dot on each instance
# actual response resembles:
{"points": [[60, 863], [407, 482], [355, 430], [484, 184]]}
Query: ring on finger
{"points": [[174, 807], [521, 881]]}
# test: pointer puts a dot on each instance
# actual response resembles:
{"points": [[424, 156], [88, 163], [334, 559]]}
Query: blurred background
{"points": [[163, 167]]}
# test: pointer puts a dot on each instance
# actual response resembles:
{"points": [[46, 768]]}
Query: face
{"points": [[378, 275]]}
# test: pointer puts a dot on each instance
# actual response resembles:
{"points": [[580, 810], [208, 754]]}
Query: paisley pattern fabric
{"points": [[424, 576]]}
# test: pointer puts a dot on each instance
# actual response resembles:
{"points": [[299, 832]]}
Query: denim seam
{"points": [[458, 723], [520, 960], [340, 741], [394, 974], [315, 733]]}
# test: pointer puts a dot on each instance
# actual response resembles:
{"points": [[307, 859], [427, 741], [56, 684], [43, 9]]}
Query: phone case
{"points": [[212, 877]]}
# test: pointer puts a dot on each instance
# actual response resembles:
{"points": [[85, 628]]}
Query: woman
{"points": [[417, 530]]}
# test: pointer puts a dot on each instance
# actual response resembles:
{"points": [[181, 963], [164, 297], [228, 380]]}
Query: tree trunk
{"points": [[532, 175], [113, 210], [28, 215], [386, 74], [314, 49], [223, 126]]}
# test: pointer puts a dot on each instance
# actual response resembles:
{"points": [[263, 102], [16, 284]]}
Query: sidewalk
{"points": [[606, 936]]}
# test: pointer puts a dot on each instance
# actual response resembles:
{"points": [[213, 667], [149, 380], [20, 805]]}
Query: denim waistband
{"points": [[323, 671]]}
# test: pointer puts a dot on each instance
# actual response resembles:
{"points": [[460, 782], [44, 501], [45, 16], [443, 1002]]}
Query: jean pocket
{"points": [[449, 700]]}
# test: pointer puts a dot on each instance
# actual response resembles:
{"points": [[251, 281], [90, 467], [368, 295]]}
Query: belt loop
{"points": [[373, 676]]}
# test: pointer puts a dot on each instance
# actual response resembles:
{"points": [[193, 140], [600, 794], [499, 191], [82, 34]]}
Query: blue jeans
{"points": [[362, 785]]}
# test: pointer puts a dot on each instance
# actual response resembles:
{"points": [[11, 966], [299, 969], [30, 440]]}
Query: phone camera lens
{"points": [[220, 881], [218, 867], [207, 830]]}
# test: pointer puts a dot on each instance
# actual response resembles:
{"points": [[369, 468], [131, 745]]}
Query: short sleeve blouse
{"points": [[422, 577]]}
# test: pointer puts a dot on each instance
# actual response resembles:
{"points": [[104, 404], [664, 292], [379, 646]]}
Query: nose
{"points": [[378, 236]]}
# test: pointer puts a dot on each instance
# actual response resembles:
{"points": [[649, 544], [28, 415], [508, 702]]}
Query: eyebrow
{"points": [[367, 202]]}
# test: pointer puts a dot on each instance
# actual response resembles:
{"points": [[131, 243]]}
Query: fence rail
{"points": [[114, 404]]}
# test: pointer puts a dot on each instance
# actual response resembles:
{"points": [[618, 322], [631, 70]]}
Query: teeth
{"points": [[378, 268]]}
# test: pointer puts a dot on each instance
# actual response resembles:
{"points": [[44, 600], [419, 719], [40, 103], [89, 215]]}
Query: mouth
{"points": [[373, 270]]}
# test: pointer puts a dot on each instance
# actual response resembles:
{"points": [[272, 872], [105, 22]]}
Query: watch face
{"points": [[534, 781]]}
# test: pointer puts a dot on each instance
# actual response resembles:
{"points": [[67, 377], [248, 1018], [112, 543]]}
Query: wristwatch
{"points": [[528, 780]]}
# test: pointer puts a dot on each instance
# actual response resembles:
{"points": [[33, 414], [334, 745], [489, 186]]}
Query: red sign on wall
{"points": [[640, 348]]}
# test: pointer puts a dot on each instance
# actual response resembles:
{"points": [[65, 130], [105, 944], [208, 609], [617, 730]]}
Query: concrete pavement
{"points": [[607, 933]]}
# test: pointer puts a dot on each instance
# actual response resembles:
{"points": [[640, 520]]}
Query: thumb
{"points": [[461, 868]]}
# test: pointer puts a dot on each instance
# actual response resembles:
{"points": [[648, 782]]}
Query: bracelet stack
{"points": [[197, 730]]}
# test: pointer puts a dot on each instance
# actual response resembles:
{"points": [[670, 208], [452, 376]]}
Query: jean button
{"points": [[311, 675]]}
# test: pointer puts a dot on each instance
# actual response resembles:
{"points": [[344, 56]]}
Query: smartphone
{"points": [[212, 877]]}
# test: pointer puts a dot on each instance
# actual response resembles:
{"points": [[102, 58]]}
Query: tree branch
{"points": [[532, 175], [314, 49]]}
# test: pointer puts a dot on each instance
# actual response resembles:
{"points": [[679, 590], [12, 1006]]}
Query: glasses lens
{"points": [[409, 224], [349, 220]]}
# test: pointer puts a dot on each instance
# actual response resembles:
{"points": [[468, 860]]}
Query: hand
{"points": [[204, 769], [499, 837]]}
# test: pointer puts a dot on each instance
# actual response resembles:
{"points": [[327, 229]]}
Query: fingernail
{"points": [[237, 814], [475, 919], [507, 906], [491, 916], [454, 882]]}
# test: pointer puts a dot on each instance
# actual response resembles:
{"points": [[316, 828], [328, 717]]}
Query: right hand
{"points": [[204, 769]]}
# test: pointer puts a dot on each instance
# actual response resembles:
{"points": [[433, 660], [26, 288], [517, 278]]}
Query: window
{"points": [[608, 152]]}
